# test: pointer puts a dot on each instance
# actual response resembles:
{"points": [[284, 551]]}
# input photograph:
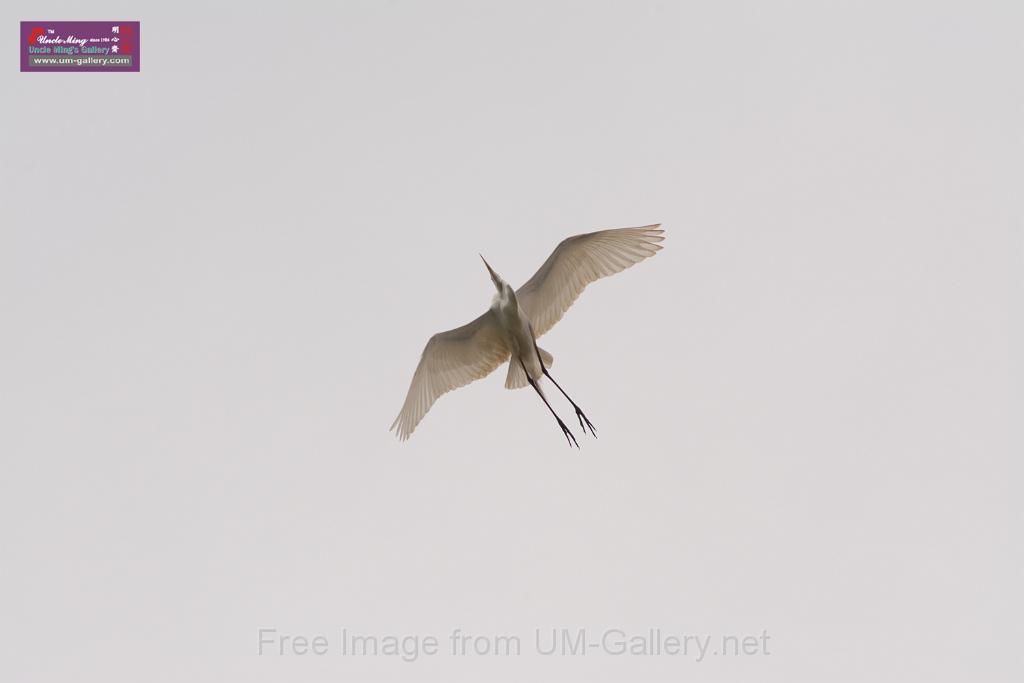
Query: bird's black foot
{"points": [[583, 418], [568, 435]]}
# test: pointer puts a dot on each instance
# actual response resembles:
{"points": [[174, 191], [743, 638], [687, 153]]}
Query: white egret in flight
{"points": [[508, 331]]}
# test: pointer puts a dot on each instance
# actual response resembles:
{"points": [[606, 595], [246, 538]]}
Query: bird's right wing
{"points": [[450, 360], [577, 262]]}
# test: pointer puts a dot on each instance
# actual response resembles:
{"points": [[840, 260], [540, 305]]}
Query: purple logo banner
{"points": [[79, 46]]}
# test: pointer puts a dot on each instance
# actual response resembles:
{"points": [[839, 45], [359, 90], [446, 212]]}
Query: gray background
{"points": [[216, 277]]}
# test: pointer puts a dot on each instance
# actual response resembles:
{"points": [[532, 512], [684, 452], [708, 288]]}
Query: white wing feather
{"points": [[577, 262], [450, 360]]}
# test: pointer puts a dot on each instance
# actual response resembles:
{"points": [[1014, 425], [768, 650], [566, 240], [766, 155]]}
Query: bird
{"points": [[509, 329]]}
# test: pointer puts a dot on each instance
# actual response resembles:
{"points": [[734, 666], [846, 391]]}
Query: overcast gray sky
{"points": [[217, 275]]}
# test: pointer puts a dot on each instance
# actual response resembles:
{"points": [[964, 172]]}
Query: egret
{"points": [[509, 329]]}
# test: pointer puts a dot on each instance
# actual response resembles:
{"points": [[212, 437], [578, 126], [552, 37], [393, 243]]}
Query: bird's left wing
{"points": [[577, 262], [450, 360]]}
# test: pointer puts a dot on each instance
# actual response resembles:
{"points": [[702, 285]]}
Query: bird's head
{"points": [[499, 284]]}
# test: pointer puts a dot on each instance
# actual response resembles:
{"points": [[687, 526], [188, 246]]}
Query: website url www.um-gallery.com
{"points": [[104, 60]]}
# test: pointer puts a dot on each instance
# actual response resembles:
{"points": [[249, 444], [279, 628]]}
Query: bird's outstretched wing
{"points": [[450, 360], [577, 262]]}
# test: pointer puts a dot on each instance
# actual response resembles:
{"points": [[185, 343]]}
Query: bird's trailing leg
{"points": [[579, 413], [569, 436]]}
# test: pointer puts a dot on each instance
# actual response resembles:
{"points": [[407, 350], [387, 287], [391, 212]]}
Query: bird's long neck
{"points": [[505, 297]]}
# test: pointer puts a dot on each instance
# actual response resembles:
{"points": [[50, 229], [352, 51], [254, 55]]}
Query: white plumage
{"points": [[508, 330]]}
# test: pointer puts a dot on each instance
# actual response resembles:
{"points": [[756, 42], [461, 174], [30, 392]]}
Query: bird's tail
{"points": [[516, 378]]}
